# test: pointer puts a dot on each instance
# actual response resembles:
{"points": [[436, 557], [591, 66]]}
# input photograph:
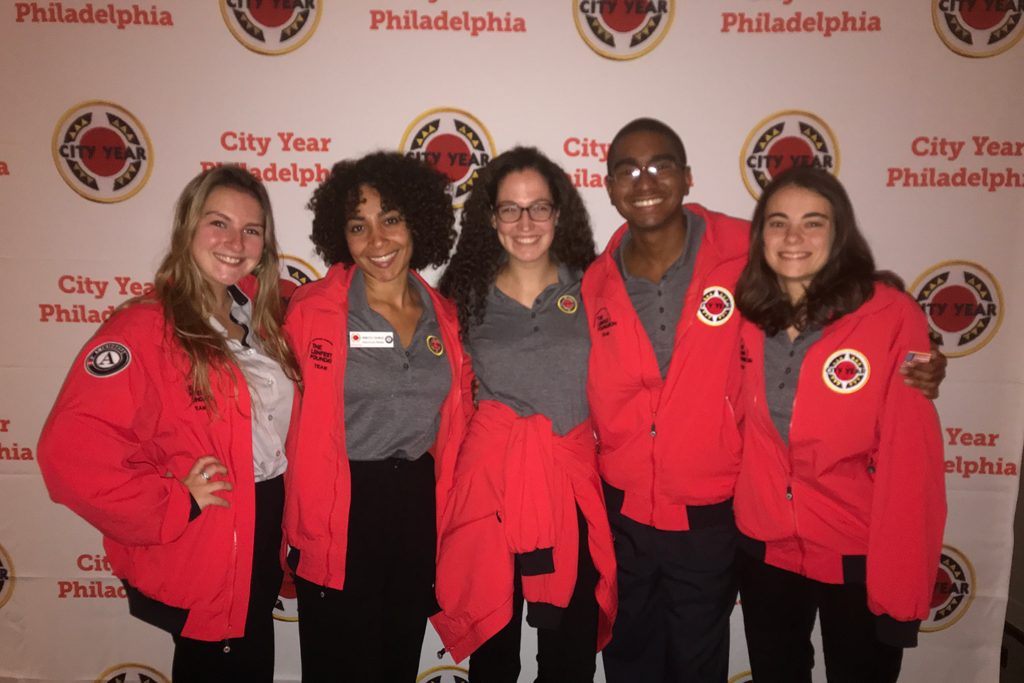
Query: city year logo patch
{"points": [[964, 305], [846, 371], [716, 306], [132, 673], [623, 29], [454, 142], [107, 359], [102, 151], [271, 27], [786, 139], [294, 273], [978, 28], [954, 590], [435, 345], [444, 674], [567, 304], [7, 577]]}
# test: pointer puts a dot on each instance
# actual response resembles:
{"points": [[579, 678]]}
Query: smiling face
{"points": [[647, 202], [526, 240], [379, 241], [228, 241], [798, 234]]}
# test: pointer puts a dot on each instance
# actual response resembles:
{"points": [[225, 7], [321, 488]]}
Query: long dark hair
{"points": [[479, 254], [843, 284]]}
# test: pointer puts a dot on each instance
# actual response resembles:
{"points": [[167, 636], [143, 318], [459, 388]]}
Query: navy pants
{"points": [[677, 590]]}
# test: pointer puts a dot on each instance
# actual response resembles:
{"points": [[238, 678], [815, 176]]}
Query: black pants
{"points": [[251, 657], [567, 654], [779, 608], [372, 630], [677, 590]]}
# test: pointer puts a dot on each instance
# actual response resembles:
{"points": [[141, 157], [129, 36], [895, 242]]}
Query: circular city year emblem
{"points": [[964, 305], [444, 674], [978, 28], [954, 590], [786, 139], [6, 577], [271, 27], [567, 304], [287, 606], [294, 273], [132, 673], [623, 29], [435, 345], [454, 142], [107, 359], [716, 306], [102, 151], [846, 371]]}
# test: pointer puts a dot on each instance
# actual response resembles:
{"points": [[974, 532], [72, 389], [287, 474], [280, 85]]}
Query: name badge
{"points": [[371, 340]]}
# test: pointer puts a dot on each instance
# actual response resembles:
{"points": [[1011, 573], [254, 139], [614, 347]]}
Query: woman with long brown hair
{"points": [[168, 435], [840, 498], [526, 517]]}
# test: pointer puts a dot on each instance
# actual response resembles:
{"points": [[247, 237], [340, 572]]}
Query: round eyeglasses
{"points": [[509, 212], [661, 168]]}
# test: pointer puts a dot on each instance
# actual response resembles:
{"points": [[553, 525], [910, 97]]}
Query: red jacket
{"points": [[864, 466], [515, 491], [318, 480], [668, 443], [116, 445]]}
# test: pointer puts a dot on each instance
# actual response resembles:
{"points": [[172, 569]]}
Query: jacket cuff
{"points": [[194, 512], [544, 615], [897, 633], [537, 562]]}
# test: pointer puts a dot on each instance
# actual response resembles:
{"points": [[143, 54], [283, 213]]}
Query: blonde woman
{"points": [[168, 435]]}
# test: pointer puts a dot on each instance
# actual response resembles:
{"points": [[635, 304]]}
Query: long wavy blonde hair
{"points": [[189, 301]]}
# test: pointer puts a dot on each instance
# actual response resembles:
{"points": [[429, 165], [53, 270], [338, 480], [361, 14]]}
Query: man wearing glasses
{"points": [[664, 337]]}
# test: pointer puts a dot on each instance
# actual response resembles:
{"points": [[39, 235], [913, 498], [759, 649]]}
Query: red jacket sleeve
{"points": [[96, 451], [908, 510]]}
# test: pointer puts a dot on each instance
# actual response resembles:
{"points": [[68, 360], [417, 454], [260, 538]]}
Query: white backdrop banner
{"points": [[108, 109]]}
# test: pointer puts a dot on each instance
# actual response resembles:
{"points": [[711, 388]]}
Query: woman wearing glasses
{"points": [[525, 518]]}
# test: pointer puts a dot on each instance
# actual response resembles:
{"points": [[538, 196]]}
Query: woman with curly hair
{"points": [[168, 435], [384, 410], [526, 515]]}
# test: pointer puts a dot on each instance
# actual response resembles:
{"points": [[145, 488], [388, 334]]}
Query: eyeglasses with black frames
{"points": [[509, 212], [656, 169]]}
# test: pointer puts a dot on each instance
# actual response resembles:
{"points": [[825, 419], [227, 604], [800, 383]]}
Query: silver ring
{"points": [[204, 475]]}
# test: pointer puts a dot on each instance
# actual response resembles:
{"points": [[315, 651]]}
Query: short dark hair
{"points": [[843, 284], [647, 125], [417, 191], [479, 254]]}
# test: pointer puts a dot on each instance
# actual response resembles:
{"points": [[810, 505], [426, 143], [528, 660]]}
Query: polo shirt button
{"points": [[405, 365], [270, 417], [789, 370], [662, 328], [533, 315], [782, 385], [536, 328]]}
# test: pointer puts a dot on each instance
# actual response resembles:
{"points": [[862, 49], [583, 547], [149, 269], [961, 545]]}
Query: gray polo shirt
{"points": [[782, 361], [660, 305], [534, 360], [392, 395]]}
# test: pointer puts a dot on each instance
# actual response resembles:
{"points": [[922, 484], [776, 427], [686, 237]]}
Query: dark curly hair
{"points": [[843, 284], [417, 191], [479, 254]]}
